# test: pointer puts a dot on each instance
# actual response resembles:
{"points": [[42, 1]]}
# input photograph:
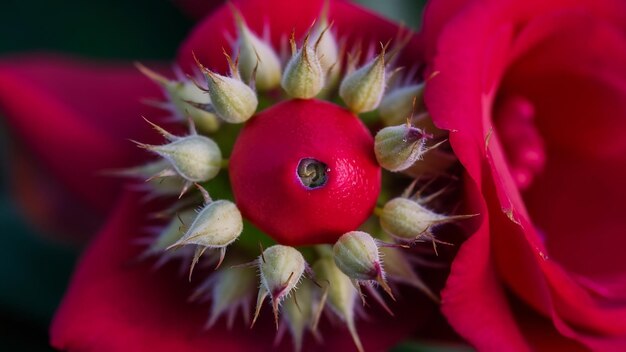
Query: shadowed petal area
{"points": [[353, 24], [116, 303], [71, 119]]}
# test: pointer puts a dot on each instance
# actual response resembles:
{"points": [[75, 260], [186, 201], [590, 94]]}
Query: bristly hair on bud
{"points": [[363, 89], [341, 294], [231, 99], [399, 270], [356, 255], [257, 60], [165, 237], [228, 289], [408, 219], [195, 158], [304, 75], [217, 225], [280, 269], [299, 314], [185, 100], [155, 187], [400, 103], [326, 46]]}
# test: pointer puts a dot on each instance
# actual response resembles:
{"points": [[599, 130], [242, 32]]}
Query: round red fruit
{"points": [[304, 172]]}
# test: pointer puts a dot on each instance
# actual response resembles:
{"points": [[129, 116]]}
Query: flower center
{"points": [[312, 173], [522, 142], [282, 186]]}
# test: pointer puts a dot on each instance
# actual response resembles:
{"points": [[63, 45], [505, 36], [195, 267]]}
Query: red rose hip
{"points": [[304, 171]]}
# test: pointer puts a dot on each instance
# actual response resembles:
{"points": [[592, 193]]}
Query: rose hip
{"points": [[304, 171]]}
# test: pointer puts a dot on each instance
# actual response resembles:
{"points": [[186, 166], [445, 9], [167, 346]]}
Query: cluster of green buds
{"points": [[408, 220], [373, 259]]}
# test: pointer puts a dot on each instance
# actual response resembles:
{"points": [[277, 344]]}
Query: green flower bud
{"points": [[232, 100], [396, 106], [363, 89], [407, 219], [217, 225], [356, 255], [399, 147], [256, 54], [304, 75], [195, 158], [280, 269]]}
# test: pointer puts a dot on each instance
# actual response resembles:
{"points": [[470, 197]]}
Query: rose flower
{"points": [[534, 96]]}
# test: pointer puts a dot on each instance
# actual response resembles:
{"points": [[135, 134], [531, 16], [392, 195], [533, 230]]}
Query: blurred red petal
{"points": [[115, 303], [72, 118]]}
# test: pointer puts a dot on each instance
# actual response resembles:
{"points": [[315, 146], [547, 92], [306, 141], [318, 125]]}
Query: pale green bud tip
{"points": [[195, 158], [326, 47], [304, 75], [280, 269], [399, 147], [299, 312], [255, 53], [232, 99], [341, 294], [363, 89], [398, 104], [229, 290], [188, 100], [185, 100], [171, 233], [407, 219]]}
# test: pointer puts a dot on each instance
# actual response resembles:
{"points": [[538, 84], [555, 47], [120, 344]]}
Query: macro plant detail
{"points": [[311, 176], [305, 169]]}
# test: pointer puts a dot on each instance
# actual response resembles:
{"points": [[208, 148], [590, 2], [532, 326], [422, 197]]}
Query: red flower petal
{"points": [[474, 301], [554, 54], [281, 17], [72, 119], [118, 304]]}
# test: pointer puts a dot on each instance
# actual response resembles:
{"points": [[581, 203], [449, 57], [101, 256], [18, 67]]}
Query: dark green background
{"points": [[33, 270]]}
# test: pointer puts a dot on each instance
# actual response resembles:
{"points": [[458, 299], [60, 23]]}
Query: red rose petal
{"points": [[574, 83], [474, 301]]}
